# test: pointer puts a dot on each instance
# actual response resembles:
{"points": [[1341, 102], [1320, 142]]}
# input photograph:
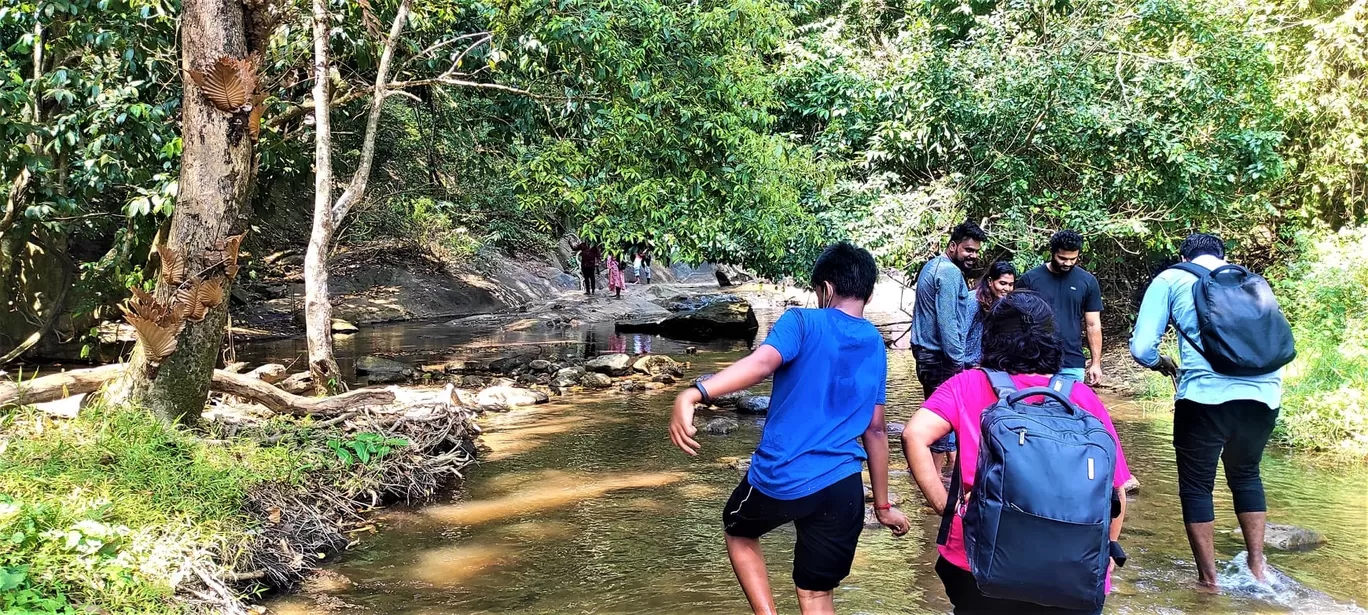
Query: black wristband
{"points": [[1118, 554], [707, 399]]}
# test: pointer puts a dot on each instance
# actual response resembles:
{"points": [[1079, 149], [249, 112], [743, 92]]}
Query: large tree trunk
{"points": [[317, 306], [215, 180]]}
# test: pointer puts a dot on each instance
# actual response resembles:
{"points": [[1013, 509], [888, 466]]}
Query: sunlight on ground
{"points": [[507, 442], [540, 497]]}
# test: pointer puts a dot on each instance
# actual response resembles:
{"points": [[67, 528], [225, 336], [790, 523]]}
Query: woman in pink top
{"points": [[1018, 338]]}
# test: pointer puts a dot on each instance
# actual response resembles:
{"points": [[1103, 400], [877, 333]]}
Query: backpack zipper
{"points": [[1022, 433]]}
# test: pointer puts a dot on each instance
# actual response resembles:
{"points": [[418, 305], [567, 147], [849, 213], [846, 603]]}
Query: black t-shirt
{"points": [[1070, 294]]}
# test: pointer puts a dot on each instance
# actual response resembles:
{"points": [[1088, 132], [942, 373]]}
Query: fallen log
{"points": [[77, 381]]}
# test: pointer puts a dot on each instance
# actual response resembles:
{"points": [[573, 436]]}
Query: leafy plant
{"points": [[364, 447]]}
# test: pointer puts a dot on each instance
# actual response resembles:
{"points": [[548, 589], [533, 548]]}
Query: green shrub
{"points": [[111, 509], [1325, 295]]}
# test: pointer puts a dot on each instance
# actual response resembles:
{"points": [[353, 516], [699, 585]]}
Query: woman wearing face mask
{"points": [[995, 284]]}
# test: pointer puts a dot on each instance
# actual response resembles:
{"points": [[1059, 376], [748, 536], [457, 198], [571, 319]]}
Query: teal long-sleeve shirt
{"points": [[1169, 298]]}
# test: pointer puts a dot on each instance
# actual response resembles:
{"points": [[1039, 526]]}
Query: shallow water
{"points": [[585, 508]]}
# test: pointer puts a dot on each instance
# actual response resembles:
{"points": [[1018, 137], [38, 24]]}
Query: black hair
{"points": [[1198, 244], [850, 269], [1066, 241], [995, 271], [967, 230], [1019, 336]]}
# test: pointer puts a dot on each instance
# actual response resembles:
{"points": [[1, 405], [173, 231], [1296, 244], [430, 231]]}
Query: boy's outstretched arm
{"points": [[740, 375], [875, 441]]}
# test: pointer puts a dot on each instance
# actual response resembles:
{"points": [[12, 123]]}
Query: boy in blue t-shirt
{"points": [[829, 367]]}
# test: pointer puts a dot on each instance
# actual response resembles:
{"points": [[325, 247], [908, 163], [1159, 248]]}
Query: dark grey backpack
{"points": [[1241, 329]]}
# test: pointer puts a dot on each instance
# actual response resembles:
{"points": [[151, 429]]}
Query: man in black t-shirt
{"points": [[1076, 299]]}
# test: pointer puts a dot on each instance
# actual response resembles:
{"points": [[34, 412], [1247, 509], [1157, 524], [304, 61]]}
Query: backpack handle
{"points": [[1062, 398]]}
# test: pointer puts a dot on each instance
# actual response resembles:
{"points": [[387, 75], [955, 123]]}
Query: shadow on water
{"points": [[584, 508]]}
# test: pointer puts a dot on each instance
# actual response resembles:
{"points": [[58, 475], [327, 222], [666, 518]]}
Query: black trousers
{"points": [[964, 593], [933, 369], [590, 279], [1234, 432]]}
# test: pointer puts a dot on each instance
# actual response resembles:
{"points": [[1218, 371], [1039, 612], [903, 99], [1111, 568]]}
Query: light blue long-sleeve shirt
{"points": [[1169, 299], [940, 317]]}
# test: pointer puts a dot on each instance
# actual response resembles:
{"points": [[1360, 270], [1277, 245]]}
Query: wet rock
{"points": [[1288, 537], [509, 397], [378, 369], [567, 377], [632, 386], [722, 316], [753, 404], [342, 327], [527, 379], [269, 373], [893, 497], [1131, 486], [544, 379], [611, 364], [502, 382], [298, 384], [721, 426], [664, 379], [655, 364], [472, 382], [654, 386], [594, 380], [894, 430], [729, 400], [540, 366], [507, 364]]}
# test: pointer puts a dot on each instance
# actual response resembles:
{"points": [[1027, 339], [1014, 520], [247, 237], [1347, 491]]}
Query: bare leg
{"points": [[815, 603], [951, 457], [1200, 536], [749, 564], [1252, 525], [939, 460]]}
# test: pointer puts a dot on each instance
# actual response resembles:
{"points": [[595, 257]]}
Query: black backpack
{"points": [[1241, 329]]}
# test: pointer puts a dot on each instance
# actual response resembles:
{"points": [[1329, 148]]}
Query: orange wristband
{"points": [[883, 507]]}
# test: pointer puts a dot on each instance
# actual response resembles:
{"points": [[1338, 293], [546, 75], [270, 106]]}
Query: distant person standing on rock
{"points": [[1232, 344], [1076, 299], [615, 281], [589, 258], [941, 317], [830, 375]]}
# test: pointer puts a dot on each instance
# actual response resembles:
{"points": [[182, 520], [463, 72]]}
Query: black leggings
{"points": [[1234, 432], [590, 279], [964, 593]]}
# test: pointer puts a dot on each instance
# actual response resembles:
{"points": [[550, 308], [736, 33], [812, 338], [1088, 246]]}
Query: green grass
{"points": [[106, 510]]}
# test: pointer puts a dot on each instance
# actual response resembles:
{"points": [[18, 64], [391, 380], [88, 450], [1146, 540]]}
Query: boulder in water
{"points": [[720, 316], [1288, 537], [894, 430], [540, 366], [721, 426], [664, 379], [753, 404], [506, 365], [632, 386], [567, 377], [509, 397], [595, 380], [342, 327], [611, 364], [655, 364], [379, 369]]}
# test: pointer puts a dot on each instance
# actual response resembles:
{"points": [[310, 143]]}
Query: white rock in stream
{"points": [[509, 397]]}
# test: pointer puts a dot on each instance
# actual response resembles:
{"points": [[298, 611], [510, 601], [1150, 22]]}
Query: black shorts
{"points": [[828, 523]]}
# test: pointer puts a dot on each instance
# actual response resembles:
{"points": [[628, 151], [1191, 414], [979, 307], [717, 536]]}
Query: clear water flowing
{"points": [[584, 507]]}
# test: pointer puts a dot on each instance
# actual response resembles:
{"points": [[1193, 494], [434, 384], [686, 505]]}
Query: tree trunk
{"points": [[215, 180], [317, 306]]}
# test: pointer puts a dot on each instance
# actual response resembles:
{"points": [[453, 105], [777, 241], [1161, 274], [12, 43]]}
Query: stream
{"points": [[584, 507]]}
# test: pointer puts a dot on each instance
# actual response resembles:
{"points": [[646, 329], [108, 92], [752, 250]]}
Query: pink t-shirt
{"points": [[961, 402]]}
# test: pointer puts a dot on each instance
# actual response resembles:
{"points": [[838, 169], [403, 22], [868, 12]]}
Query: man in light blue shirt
{"points": [[1215, 416]]}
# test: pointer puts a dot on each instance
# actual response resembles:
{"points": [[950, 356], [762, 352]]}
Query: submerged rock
{"points": [[378, 369], [664, 379], [611, 364], [893, 497], [509, 397], [595, 380], [1288, 537], [721, 426], [1131, 486], [753, 404]]}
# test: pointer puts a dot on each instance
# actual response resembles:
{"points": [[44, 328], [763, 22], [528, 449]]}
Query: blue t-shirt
{"points": [[834, 373]]}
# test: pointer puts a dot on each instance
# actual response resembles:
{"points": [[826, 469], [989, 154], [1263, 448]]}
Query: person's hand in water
{"points": [[893, 519], [682, 428]]}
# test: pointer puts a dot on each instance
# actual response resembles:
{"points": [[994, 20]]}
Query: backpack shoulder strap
{"points": [[1193, 268], [952, 500], [1001, 382], [1063, 386]]}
